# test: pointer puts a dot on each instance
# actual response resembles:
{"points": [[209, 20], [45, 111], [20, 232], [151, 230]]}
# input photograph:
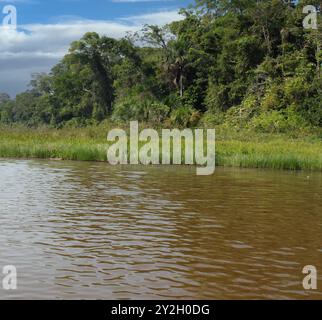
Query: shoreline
{"points": [[244, 149], [275, 161], [222, 166]]}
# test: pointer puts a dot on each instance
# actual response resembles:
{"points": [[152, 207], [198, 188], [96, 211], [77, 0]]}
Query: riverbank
{"points": [[234, 148]]}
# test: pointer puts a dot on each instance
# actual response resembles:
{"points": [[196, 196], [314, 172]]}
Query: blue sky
{"points": [[46, 28], [39, 11]]}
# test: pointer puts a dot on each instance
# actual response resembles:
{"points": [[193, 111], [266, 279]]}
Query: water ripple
{"points": [[89, 230]]}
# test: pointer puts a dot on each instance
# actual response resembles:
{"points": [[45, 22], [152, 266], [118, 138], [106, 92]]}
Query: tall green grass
{"points": [[236, 149]]}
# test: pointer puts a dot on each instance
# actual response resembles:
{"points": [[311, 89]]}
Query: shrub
{"points": [[239, 116], [185, 117], [144, 110], [130, 109], [271, 99], [157, 112], [278, 121], [211, 119], [216, 98]]}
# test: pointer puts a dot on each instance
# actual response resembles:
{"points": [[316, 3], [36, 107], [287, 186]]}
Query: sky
{"points": [[45, 28]]}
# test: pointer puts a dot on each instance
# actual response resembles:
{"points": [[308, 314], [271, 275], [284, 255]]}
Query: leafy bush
{"points": [[272, 98], [278, 121], [185, 117], [157, 113], [130, 109], [216, 98], [239, 116], [211, 119], [145, 110]]}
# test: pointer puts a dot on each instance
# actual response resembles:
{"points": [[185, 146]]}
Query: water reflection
{"points": [[89, 230]]}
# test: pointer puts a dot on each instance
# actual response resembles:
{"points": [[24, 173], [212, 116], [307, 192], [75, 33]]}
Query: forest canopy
{"points": [[244, 63]]}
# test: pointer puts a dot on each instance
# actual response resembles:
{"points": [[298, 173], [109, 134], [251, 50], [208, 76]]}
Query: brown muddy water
{"points": [[89, 230]]}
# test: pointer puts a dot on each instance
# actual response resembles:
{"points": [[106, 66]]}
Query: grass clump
{"points": [[233, 148]]}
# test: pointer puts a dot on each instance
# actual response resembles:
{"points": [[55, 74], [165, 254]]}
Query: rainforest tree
{"points": [[240, 62]]}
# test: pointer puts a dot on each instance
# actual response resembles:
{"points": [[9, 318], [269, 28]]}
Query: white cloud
{"points": [[159, 18], [37, 47]]}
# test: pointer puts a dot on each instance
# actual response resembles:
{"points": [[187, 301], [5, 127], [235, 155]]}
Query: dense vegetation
{"points": [[233, 147], [238, 63]]}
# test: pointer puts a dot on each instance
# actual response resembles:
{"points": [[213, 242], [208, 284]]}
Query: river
{"points": [[79, 230]]}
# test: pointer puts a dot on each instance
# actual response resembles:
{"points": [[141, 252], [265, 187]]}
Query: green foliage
{"points": [[157, 113], [234, 148], [140, 109], [278, 121], [185, 117], [211, 120], [244, 64]]}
